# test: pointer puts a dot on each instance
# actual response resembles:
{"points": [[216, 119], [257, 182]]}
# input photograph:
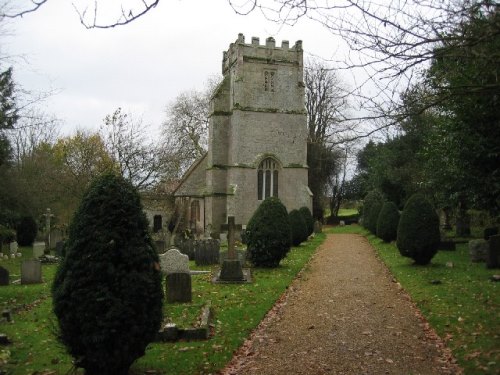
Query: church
{"points": [[257, 145]]}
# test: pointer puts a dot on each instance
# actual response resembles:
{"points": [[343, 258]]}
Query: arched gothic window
{"points": [[267, 179]]}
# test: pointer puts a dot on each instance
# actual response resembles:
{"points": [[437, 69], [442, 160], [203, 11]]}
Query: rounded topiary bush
{"points": [[298, 227], [387, 223], [371, 208], [309, 219], [26, 231], [418, 230], [107, 292], [268, 234]]}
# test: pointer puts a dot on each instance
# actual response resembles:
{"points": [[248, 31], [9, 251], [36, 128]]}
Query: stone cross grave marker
{"points": [[231, 270], [31, 272], [231, 227]]}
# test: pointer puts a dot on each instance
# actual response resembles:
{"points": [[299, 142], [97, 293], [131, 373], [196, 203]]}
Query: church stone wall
{"points": [[194, 182], [257, 111], [256, 134]]}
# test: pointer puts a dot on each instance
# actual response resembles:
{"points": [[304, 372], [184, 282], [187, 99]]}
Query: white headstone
{"points": [[13, 247], [173, 261], [38, 249]]}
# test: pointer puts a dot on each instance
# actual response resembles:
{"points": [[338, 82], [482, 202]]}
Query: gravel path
{"points": [[344, 314]]}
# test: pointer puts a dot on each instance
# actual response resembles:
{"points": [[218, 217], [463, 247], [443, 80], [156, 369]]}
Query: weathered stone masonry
{"points": [[257, 137]]}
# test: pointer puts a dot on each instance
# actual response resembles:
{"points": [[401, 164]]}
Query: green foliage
{"points": [[418, 230], [298, 227], [387, 223], [309, 219], [6, 235], [372, 205], [26, 231], [8, 112], [464, 74], [268, 234], [107, 292]]}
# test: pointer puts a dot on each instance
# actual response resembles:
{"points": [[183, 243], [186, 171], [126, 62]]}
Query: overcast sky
{"points": [[142, 66]]}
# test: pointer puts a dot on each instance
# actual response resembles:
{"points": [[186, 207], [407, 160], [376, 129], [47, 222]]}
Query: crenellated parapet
{"points": [[256, 52]]}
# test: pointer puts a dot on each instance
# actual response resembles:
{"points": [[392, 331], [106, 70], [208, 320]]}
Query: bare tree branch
{"points": [[35, 5], [127, 14]]}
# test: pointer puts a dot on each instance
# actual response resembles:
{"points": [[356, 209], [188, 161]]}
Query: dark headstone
{"points": [[488, 232], [231, 271], [4, 340], [31, 272], [59, 248], [7, 315], [185, 246], [179, 287], [4, 276], [493, 259], [478, 250], [206, 252]]}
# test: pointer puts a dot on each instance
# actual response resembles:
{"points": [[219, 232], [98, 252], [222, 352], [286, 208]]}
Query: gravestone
{"points": [[493, 259], [176, 266], [206, 252], [31, 272], [173, 261], [38, 249], [59, 248], [478, 250], [13, 247], [179, 287], [231, 270], [241, 255], [185, 246], [318, 228], [4, 276]]}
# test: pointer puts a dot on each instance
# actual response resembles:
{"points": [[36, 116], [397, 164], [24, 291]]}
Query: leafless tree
{"points": [[185, 130], [90, 12], [34, 128], [139, 157]]}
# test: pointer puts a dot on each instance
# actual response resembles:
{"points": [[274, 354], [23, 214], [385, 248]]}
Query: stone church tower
{"points": [[257, 138]]}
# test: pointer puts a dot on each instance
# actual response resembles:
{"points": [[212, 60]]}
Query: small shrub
{"points": [[387, 223], [298, 227], [418, 230], [268, 234], [107, 293], [26, 231], [309, 219], [372, 205]]}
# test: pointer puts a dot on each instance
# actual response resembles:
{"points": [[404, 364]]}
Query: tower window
{"points": [[267, 179], [269, 80]]}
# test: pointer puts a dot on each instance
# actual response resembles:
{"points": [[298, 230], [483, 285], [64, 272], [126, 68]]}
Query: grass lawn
{"points": [[464, 309], [238, 310]]}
